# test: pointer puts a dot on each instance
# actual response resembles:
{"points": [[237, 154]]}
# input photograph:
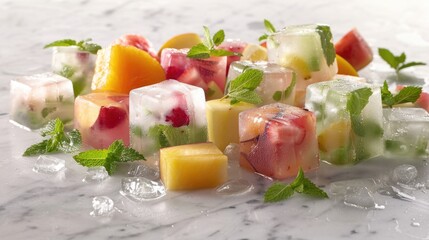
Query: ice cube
{"points": [[308, 50], [232, 151], [406, 132], [340, 187], [103, 206], [141, 189], [76, 65], [102, 118], [404, 173], [345, 136], [277, 139], [96, 174], [360, 197], [37, 99], [274, 83], [48, 164], [166, 114], [209, 73], [235, 187], [232, 45], [143, 170]]}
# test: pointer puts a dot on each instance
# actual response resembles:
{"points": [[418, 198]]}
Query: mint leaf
{"points": [[312, 190], [222, 52], [407, 94], [207, 38], [83, 45], [36, 149], [278, 192], [411, 64], [129, 155], [245, 95], [263, 37], [291, 86], [61, 43], [270, 29], [167, 135], [242, 88], [397, 62], [326, 42], [218, 37], [48, 110], [277, 96], [199, 51], [208, 47], [386, 95], [92, 158], [357, 100]]}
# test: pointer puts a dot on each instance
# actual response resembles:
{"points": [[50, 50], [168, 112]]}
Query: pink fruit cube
{"points": [[208, 74], [102, 118], [233, 45], [277, 139]]}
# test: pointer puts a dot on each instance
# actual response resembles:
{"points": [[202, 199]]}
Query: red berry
{"points": [[178, 117], [109, 117], [174, 72]]}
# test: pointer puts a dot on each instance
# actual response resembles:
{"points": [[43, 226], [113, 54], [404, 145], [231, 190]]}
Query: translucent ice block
{"points": [[209, 74], [346, 136], [37, 99], [277, 139], [275, 82], [166, 114], [102, 118], [76, 65], [406, 132], [232, 45], [308, 50]]}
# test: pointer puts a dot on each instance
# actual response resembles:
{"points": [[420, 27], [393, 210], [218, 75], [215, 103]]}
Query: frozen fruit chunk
{"points": [[167, 114], [278, 83], [307, 49], [233, 45], [345, 135], [102, 118], [123, 68], [208, 74], [139, 42], [76, 65], [193, 166], [277, 139], [37, 99], [222, 121], [406, 132], [353, 48]]}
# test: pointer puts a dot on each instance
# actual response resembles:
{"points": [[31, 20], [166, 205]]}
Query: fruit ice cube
{"points": [[123, 68], [406, 132], [37, 99], [277, 139], [102, 118], [139, 42], [222, 121], [232, 45], [166, 114], [354, 49], [307, 49], [275, 82], [347, 136], [76, 65], [208, 74], [193, 166]]}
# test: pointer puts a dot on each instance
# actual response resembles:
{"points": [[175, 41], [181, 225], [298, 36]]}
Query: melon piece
{"points": [[193, 166], [123, 68], [354, 49]]}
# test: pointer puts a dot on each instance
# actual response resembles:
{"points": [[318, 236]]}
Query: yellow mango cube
{"points": [[222, 121], [192, 166]]}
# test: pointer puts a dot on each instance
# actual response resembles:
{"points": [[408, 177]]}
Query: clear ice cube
{"points": [[143, 170], [141, 189], [48, 164], [232, 45], [235, 187], [37, 99], [232, 151], [340, 187], [166, 114], [102, 206], [96, 174], [360, 197], [404, 173]]}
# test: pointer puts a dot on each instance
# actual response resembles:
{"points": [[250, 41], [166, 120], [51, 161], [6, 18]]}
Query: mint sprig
{"points": [[83, 45], [277, 96], [280, 191], [397, 62], [242, 88], [327, 45], [270, 29], [109, 158], [407, 94], [208, 48], [58, 141]]}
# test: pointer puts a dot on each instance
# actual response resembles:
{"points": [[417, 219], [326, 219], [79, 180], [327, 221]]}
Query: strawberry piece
{"points": [[178, 117], [174, 72], [109, 117]]}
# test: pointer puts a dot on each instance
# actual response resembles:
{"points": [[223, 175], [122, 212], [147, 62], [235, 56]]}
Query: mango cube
{"points": [[193, 166]]}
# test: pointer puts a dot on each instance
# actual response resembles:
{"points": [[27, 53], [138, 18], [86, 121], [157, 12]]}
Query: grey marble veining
{"points": [[41, 206]]}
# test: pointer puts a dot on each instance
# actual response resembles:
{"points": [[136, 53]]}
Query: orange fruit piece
{"points": [[345, 67], [123, 68], [184, 40]]}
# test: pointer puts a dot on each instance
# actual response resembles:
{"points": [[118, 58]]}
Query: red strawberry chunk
{"points": [[178, 117]]}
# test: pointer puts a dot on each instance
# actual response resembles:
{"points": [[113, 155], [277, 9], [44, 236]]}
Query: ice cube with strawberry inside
{"points": [[235, 46], [277, 139], [209, 74], [166, 114], [102, 118]]}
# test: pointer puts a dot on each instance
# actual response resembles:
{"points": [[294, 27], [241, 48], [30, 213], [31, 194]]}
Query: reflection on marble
{"points": [[44, 206]]}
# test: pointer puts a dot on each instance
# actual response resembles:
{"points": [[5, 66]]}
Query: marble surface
{"points": [[43, 206]]}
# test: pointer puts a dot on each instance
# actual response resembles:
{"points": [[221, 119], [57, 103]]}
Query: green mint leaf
{"points": [[326, 42], [408, 94], [92, 158], [91, 47], [167, 135], [278, 192], [291, 86], [269, 26], [222, 52], [67, 71], [129, 155], [277, 96], [208, 41], [388, 57], [199, 51], [48, 110], [36, 149], [386, 95], [263, 37], [312, 190], [242, 88], [50, 128], [411, 64], [298, 179], [401, 58], [245, 95], [218, 37], [61, 43], [71, 142], [357, 100]]}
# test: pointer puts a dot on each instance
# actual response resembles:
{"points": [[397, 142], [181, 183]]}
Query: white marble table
{"points": [[41, 206]]}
